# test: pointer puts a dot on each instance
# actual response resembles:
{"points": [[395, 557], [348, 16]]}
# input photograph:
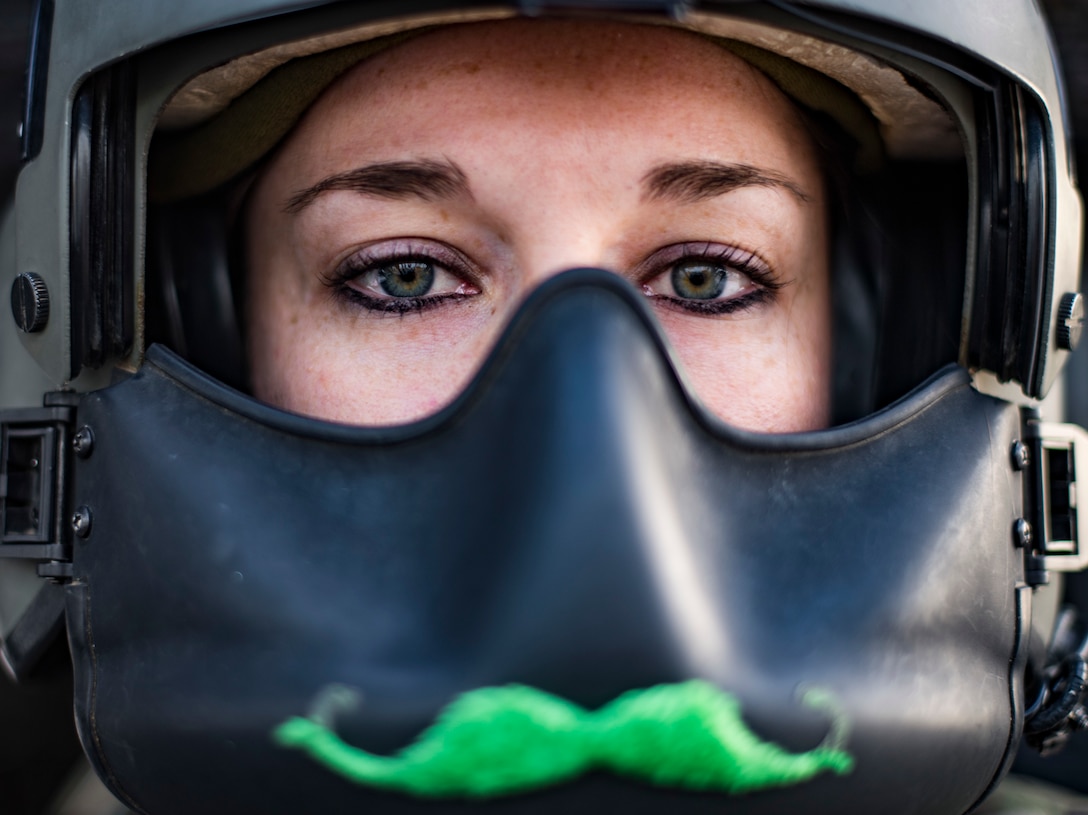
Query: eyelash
{"points": [[447, 259]]}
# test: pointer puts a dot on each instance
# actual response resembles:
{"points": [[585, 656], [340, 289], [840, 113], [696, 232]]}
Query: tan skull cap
{"points": [[221, 122]]}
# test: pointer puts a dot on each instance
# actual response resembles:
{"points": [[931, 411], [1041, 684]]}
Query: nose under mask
{"points": [[273, 613]]}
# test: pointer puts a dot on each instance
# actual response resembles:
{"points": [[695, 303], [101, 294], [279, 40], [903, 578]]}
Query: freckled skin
{"points": [[555, 124]]}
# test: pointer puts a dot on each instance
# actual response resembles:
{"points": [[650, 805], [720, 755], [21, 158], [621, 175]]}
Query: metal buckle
{"points": [[1058, 452]]}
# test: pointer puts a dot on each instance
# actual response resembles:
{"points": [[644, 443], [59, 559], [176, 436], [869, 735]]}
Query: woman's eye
{"points": [[408, 279], [708, 279], [402, 277], [702, 280]]}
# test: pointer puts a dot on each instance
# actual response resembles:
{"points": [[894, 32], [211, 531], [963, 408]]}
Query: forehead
{"points": [[552, 75], [537, 54]]}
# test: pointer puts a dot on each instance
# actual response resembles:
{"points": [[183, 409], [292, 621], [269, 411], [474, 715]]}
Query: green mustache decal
{"points": [[506, 740]]}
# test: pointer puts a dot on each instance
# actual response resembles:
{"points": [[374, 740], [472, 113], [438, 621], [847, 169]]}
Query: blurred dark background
{"points": [[37, 740], [1069, 22]]}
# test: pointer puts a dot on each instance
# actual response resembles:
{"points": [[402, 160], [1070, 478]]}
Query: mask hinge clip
{"points": [[35, 453], [1059, 529]]}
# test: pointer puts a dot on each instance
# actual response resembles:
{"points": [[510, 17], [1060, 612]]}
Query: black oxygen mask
{"points": [[571, 590]]}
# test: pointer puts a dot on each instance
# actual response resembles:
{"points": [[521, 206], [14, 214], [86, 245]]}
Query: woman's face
{"points": [[435, 185]]}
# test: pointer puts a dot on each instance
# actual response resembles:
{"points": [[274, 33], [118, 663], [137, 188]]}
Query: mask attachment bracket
{"points": [[35, 450], [1059, 530], [1059, 707]]}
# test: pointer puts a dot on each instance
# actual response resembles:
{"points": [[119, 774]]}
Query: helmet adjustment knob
{"points": [[30, 302], [1070, 320]]}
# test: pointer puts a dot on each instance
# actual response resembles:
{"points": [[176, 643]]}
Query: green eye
{"points": [[406, 278], [698, 280]]}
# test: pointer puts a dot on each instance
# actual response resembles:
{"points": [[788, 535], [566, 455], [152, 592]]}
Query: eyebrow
{"points": [[693, 181], [428, 179]]}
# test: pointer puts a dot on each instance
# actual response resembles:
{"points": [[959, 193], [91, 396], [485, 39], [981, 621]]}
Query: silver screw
{"points": [[1020, 456], [1023, 532], [83, 442], [81, 522]]}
